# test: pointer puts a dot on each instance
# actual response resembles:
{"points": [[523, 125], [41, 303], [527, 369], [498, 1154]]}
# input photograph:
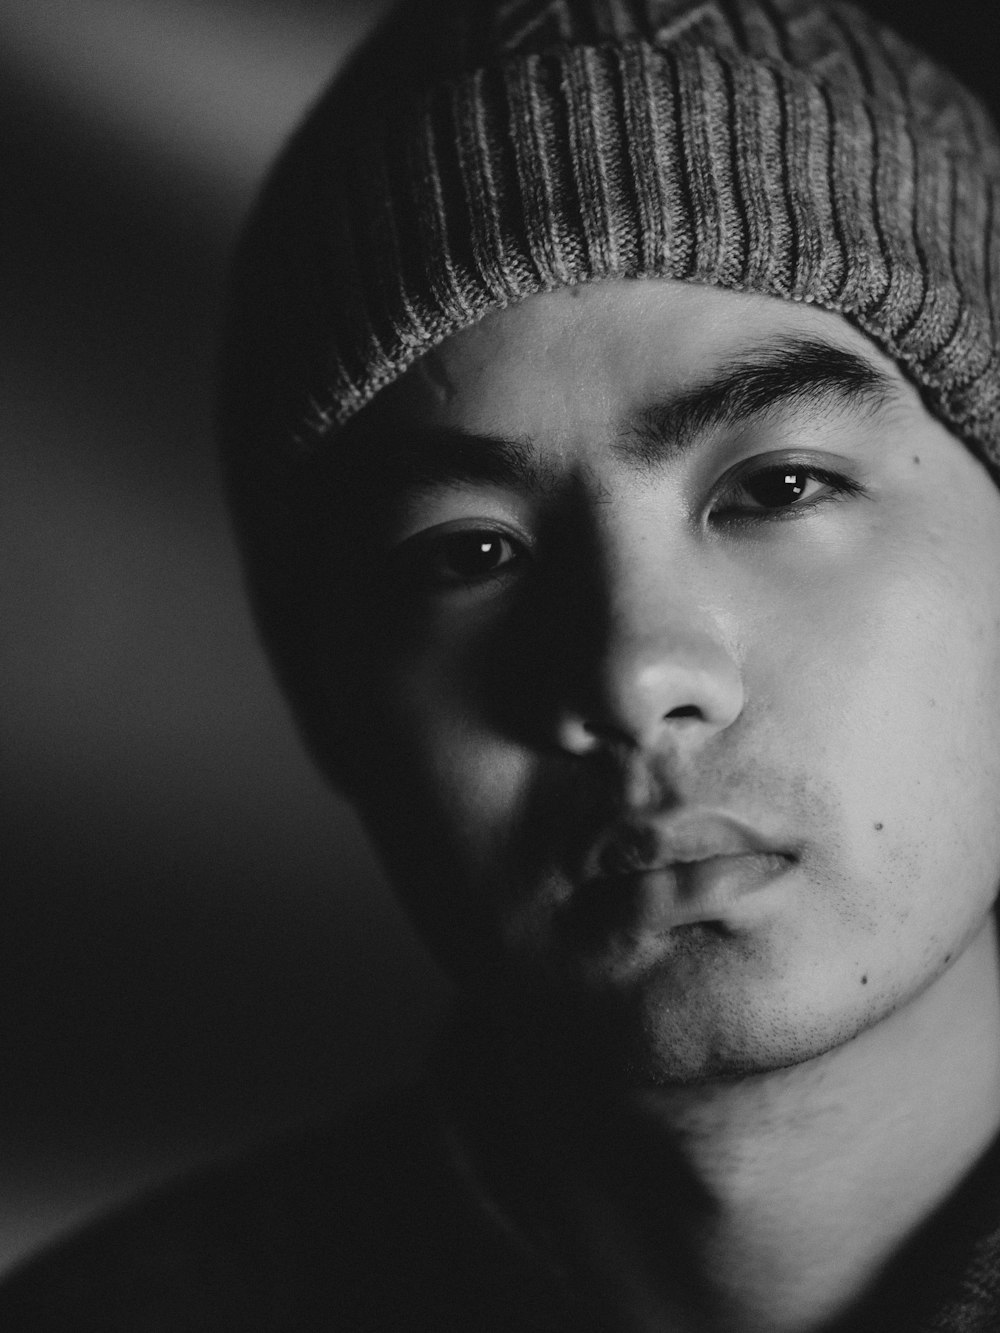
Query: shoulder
{"points": [[360, 1224]]}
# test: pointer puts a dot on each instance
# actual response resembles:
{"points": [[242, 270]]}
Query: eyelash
{"points": [[839, 487], [412, 563]]}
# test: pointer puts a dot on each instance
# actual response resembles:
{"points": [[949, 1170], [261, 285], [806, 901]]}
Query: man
{"points": [[610, 408]]}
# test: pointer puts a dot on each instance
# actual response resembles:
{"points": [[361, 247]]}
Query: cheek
{"points": [[451, 777], [439, 795], [898, 706], [942, 720]]}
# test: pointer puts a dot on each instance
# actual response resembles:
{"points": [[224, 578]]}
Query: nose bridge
{"points": [[657, 659]]}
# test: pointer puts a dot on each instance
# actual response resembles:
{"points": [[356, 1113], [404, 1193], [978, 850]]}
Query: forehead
{"points": [[580, 360]]}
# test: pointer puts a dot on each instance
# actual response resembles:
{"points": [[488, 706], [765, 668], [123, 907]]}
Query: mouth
{"points": [[715, 888], [641, 846], [702, 868]]}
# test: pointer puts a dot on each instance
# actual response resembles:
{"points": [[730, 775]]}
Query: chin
{"points": [[649, 1036]]}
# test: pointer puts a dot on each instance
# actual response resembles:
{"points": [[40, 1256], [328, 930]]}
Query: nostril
{"points": [[686, 710]]}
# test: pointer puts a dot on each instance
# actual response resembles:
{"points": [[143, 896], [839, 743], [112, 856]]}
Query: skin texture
{"points": [[832, 681], [641, 645]]}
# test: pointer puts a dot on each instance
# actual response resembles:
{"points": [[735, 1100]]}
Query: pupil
{"points": [[776, 487], [473, 553]]}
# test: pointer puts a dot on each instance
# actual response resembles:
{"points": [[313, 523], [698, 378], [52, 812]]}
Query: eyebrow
{"points": [[784, 374], [425, 457], [787, 374]]}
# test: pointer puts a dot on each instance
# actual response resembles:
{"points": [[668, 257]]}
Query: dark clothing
{"points": [[389, 1221], [369, 1224]]}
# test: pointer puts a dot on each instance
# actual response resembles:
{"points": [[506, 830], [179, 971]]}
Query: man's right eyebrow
{"points": [[423, 458]]}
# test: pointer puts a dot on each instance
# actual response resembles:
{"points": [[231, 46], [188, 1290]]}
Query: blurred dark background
{"points": [[195, 946]]}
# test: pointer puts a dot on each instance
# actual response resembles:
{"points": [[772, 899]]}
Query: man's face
{"points": [[678, 710]]}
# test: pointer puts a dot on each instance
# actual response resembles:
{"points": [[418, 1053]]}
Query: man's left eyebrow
{"points": [[792, 373]]}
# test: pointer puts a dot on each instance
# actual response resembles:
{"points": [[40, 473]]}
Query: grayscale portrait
{"points": [[605, 406]]}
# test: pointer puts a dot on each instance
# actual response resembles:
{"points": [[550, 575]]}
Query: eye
{"points": [[462, 557], [780, 490]]}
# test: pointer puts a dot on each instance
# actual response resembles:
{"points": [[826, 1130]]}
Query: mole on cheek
{"points": [[879, 828], [864, 981]]}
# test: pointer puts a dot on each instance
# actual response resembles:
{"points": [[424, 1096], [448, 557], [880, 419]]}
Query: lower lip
{"points": [[719, 888]]}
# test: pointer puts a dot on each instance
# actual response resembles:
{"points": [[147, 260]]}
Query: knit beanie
{"points": [[476, 152]]}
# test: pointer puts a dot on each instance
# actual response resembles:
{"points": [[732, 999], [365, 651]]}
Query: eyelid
{"points": [[443, 505], [840, 474], [427, 533], [409, 563], [820, 459]]}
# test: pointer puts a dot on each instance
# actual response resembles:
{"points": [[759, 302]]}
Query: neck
{"points": [[775, 1202]]}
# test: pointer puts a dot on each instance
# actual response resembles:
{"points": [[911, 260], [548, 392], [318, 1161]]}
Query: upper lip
{"points": [[640, 847]]}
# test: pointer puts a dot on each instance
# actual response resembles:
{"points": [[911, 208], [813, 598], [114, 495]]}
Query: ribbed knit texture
{"points": [[476, 153]]}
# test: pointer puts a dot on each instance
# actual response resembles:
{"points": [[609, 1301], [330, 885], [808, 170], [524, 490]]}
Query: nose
{"points": [[652, 669]]}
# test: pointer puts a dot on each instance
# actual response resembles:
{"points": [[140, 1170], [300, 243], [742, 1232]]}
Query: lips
{"points": [[695, 867], [638, 848]]}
